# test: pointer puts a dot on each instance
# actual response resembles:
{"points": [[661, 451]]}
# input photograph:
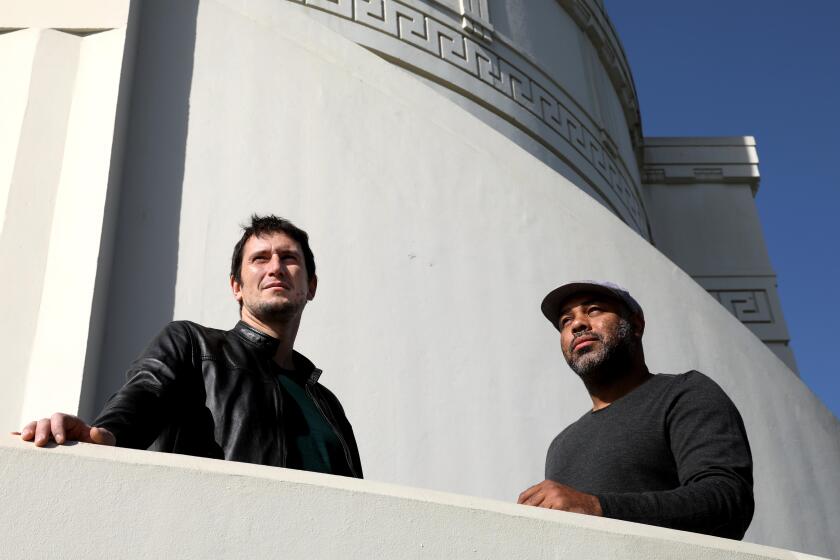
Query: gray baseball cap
{"points": [[552, 304]]}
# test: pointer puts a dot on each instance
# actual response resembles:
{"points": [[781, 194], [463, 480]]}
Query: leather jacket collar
{"points": [[267, 345]]}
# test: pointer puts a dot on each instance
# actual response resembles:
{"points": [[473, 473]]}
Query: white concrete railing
{"points": [[85, 501]]}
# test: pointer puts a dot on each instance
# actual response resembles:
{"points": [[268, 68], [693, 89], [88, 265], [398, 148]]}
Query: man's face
{"points": [[593, 333], [274, 283]]}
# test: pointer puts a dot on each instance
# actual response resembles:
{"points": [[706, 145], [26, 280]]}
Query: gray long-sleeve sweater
{"points": [[673, 452]]}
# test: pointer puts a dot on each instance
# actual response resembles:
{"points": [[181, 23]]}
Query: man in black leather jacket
{"points": [[241, 395]]}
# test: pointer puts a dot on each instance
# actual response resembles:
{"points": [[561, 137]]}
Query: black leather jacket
{"points": [[212, 393]]}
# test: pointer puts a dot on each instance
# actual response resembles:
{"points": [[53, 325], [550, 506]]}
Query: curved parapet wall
{"points": [[131, 504], [554, 70]]}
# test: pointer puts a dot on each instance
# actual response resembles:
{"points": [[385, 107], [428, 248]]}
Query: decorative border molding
{"points": [[749, 306], [541, 99], [754, 300], [593, 20], [687, 174]]}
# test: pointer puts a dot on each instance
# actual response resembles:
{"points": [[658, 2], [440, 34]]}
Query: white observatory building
{"points": [[452, 161]]}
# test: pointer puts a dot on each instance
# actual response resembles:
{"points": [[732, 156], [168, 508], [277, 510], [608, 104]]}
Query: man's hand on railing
{"points": [[553, 495], [61, 428]]}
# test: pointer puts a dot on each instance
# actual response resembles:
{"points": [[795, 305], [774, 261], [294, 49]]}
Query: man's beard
{"points": [[276, 311], [610, 360]]}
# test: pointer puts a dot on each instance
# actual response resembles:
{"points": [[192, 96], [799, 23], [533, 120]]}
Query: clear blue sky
{"points": [[769, 69]]}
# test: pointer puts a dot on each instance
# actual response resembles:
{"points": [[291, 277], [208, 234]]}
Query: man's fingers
{"points": [[63, 428], [535, 499], [533, 496], [102, 436], [553, 495], [42, 432], [523, 497], [58, 426], [28, 431], [546, 494]]}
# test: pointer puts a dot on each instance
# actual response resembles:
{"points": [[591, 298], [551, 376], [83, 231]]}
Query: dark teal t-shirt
{"points": [[311, 442]]}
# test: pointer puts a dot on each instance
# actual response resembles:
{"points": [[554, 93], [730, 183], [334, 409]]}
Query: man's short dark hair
{"points": [[262, 225]]}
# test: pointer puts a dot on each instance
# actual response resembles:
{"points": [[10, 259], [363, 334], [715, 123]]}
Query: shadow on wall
{"points": [[141, 293]]}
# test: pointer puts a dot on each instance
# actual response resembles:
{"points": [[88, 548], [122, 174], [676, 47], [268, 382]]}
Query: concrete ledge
{"points": [[85, 501]]}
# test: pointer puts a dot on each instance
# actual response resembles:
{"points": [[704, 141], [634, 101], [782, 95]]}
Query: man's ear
{"points": [[236, 288], [638, 323], [313, 285]]}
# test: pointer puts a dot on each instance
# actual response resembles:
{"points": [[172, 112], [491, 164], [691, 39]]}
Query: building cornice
{"points": [[727, 159]]}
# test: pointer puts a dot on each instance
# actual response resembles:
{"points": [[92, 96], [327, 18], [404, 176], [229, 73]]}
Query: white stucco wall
{"points": [[85, 502], [59, 141], [436, 238]]}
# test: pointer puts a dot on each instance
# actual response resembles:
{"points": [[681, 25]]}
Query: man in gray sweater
{"points": [[667, 450]]}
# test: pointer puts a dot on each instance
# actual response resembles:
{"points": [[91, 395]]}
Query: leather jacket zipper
{"points": [[334, 429], [284, 452]]}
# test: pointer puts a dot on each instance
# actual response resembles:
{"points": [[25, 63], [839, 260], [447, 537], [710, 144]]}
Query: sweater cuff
{"points": [[607, 502]]}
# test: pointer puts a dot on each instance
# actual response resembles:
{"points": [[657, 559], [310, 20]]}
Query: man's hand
{"points": [[552, 495], [64, 427]]}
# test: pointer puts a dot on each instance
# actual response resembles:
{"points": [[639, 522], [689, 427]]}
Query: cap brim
{"points": [[552, 303]]}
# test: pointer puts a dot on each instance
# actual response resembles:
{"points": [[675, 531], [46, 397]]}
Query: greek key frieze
{"points": [[749, 306], [538, 98]]}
